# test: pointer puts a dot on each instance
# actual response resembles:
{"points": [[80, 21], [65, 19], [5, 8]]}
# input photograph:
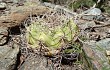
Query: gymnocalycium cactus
{"points": [[52, 38]]}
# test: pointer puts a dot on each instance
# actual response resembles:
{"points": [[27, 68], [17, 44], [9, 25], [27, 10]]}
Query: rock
{"points": [[38, 62], [100, 18], [88, 17], [2, 5], [105, 43], [8, 57], [96, 51], [92, 13], [87, 24], [60, 9], [108, 52], [15, 1], [20, 14], [11, 1], [35, 63], [3, 35], [7, 1]]}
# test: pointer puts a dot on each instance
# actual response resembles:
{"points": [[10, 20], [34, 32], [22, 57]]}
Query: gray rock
{"points": [[13, 1], [92, 11], [3, 32], [8, 57], [100, 18], [105, 43], [88, 17], [35, 63], [7, 1], [18, 1], [94, 17], [60, 9], [87, 25], [2, 5], [96, 51], [101, 47]]}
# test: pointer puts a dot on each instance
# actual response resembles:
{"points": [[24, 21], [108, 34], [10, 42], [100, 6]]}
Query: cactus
{"points": [[51, 38]]}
